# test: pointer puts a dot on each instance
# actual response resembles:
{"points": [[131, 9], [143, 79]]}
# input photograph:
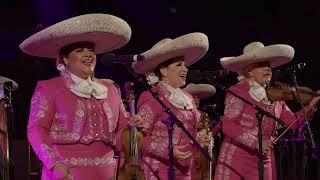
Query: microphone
{"points": [[296, 67], [110, 58], [282, 74]]}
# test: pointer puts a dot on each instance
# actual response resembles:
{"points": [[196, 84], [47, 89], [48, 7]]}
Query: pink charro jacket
{"points": [[155, 147], [61, 123], [238, 158]]}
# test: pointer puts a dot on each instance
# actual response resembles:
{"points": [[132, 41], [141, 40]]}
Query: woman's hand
{"points": [[61, 172], [178, 154], [136, 121]]}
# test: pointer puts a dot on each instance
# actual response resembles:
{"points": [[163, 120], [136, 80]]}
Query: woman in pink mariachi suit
{"points": [[201, 167], [166, 65], [74, 118], [238, 158]]}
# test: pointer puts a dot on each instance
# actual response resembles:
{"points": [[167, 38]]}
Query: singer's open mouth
{"points": [[88, 62]]}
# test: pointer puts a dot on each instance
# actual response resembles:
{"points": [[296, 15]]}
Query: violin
{"points": [[283, 92], [132, 144], [202, 165]]}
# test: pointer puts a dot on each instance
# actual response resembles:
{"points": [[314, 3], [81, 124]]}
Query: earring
{"points": [[65, 61]]}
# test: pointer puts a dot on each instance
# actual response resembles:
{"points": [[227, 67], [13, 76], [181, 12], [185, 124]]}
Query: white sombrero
{"points": [[106, 31], [254, 52], [191, 46], [203, 91], [4, 79]]}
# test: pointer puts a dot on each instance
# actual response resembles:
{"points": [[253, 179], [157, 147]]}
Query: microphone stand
{"points": [[260, 113], [116, 156], [7, 87], [170, 122], [314, 149]]}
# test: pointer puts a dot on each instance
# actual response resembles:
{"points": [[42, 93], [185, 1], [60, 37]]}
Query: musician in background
{"points": [[74, 118], [4, 136], [202, 168], [165, 66], [238, 159]]}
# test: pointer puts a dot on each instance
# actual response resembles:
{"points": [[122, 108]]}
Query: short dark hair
{"points": [[68, 48]]}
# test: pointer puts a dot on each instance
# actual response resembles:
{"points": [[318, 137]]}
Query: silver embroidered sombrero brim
{"points": [[254, 52], [203, 91], [106, 31], [191, 46]]}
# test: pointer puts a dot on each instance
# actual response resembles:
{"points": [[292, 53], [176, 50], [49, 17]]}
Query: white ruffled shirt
{"points": [[88, 88], [258, 92], [177, 98]]}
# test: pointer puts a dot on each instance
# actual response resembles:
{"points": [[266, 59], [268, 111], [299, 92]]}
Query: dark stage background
{"points": [[229, 24]]}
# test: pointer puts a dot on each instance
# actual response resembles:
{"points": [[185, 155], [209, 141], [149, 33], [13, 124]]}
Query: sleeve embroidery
{"points": [[40, 119], [248, 137], [233, 106], [146, 114], [39, 105]]}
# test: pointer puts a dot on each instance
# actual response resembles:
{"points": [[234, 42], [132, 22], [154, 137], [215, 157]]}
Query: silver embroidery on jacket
{"points": [[39, 106], [90, 161], [233, 106], [147, 115]]}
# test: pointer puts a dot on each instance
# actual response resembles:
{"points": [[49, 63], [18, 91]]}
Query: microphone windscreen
{"points": [[139, 57], [301, 65]]}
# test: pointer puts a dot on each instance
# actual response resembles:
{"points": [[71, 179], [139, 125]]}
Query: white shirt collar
{"points": [[87, 88], [177, 97], [258, 92]]}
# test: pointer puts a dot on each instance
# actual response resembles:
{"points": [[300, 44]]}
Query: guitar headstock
{"points": [[129, 91]]}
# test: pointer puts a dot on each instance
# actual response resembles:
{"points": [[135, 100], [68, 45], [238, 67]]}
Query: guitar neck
{"points": [[132, 108], [210, 149]]}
